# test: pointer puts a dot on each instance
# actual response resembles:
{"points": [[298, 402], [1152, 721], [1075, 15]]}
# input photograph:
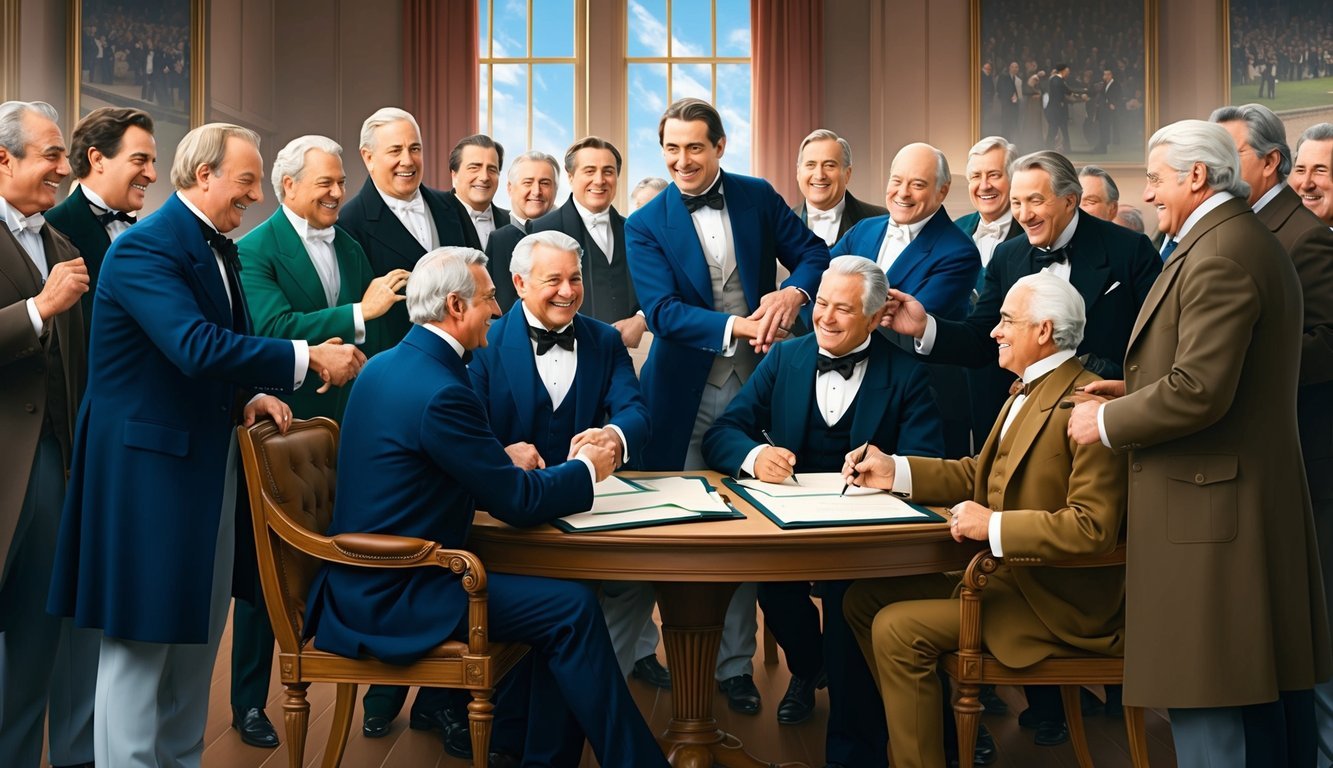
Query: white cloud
{"points": [[648, 29], [739, 39]]}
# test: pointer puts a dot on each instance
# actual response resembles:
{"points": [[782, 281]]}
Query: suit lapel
{"points": [[587, 377], [791, 419], [1037, 411], [873, 392], [1088, 267], [349, 292], [918, 251], [17, 265], [745, 238], [87, 228], [1279, 209], [685, 247], [186, 227], [295, 260], [517, 358], [388, 231]]}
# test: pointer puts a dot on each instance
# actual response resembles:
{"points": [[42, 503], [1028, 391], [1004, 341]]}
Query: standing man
{"points": [[1312, 173], [992, 222], [704, 256], [1057, 110], [395, 218], [1009, 90], [1101, 196], [41, 332], [171, 374], [474, 167], [1265, 161], [823, 171], [534, 178], [1214, 361], [303, 279], [113, 155], [593, 165], [645, 190], [1109, 106]]}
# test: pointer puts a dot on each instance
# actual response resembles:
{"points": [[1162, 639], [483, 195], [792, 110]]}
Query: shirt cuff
{"points": [[1101, 425], [359, 322], [256, 397], [36, 317], [902, 477], [747, 466], [302, 367], [803, 293], [728, 343], [926, 343], [993, 533], [624, 453], [587, 462]]}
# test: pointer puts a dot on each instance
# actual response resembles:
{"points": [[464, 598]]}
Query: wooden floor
{"points": [[404, 748]]}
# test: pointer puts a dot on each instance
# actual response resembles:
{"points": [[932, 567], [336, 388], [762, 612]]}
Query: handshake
{"points": [[335, 362]]}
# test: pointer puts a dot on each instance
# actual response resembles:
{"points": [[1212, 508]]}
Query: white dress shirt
{"points": [[415, 217], [1267, 197], [483, 222], [116, 227], [825, 223], [896, 239], [599, 226], [319, 247], [713, 226], [989, 235], [558, 366], [27, 231]]}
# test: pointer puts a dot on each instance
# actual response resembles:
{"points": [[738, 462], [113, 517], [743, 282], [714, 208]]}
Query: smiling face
{"points": [[840, 323], [477, 177], [224, 194], [1312, 178], [469, 322], [1036, 207], [1175, 195], [1259, 171], [988, 184], [553, 291], [914, 193], [29, 183], [691, 159], [532, 192], [1021, 341], [592, 180], [1095, 201], [394, 159], [122, 181], [319, 192], [821, 175]]}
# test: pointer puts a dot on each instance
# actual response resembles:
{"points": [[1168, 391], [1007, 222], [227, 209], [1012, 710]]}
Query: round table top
{"points": [[752, 549]]}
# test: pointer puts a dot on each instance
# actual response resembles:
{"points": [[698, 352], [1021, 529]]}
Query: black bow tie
{"points": [[712, 198], [1044, 259], [110, 216], [546, 339], [843, 365], [222, 244]]}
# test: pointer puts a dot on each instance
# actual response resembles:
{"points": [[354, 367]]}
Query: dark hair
{"points": [[475, 140], [590, 142], [103, 128], [690, 110]]}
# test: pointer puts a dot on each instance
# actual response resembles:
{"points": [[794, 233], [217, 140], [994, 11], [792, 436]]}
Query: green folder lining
{"points": [[743, 492]]}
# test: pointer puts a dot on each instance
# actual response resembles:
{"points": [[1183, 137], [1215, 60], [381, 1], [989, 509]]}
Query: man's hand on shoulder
{"points": [[336, 363], [383, 293], [65, 285], [905, 314]]}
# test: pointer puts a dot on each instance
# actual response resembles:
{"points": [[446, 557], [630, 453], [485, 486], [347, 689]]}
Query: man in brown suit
{"points": [[1032, 493], [1225, 620], [42, 365]]}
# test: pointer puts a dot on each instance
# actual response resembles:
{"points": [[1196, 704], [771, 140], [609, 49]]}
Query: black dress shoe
{"points": [[254, 727], [742, 696], [650, 670], [375, 726], [438, 720], [1051, 733], [798, 703], [458, 740], [991, 701], [983, 752]]}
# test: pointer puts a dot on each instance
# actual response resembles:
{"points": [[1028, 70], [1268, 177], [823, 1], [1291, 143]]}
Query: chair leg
{"points": [[967, 715], [1137, 736], [1069, 696], [343, 706], [479, 717], [296, 720], [770, 646]]}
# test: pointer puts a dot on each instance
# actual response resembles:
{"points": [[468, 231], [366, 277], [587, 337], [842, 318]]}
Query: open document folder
{"points": [[817, 503], [647, 501]]}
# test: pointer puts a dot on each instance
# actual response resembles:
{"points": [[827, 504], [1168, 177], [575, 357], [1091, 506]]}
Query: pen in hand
{"points": [[864, 450], [769, 440]]}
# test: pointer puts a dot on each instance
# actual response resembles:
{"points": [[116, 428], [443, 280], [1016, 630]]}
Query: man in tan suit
{"points": [[42, 365], [1032, 493], [1225, 620]]}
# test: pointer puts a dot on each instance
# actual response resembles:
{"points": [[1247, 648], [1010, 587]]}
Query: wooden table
{"points": [[695, 568]]}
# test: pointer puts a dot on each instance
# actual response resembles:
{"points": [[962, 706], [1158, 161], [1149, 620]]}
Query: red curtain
{"points": [[440, 74], [788, 80]]}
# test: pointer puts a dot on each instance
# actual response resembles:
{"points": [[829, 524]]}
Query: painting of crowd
{"points": [[1077, 87], [1279, 42], [138, 50]]}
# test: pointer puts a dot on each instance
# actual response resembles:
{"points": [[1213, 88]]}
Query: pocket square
{"points": [[1114, 286]]}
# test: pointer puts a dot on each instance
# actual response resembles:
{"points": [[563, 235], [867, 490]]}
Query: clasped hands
{"points": [[772, 321], [600, 444], [335, 362]]}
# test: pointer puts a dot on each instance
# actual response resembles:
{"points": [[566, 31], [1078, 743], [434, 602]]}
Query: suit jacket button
{"points": [[1138, 467], [29, 407], [1134, 367], [1198, 479]]}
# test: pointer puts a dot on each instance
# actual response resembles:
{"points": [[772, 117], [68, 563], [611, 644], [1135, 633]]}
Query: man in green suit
{"points": [[303, 279]]}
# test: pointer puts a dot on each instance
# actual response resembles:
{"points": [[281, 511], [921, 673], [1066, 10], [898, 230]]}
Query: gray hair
{"points": [[12, 135], [652, 182], [1133, 219], [1266, 132], [993, 142], [291, 159], [1316, 132], [942, 176], [438, 274], [1064, 179], [1053, 298], [205, 145], [823, 134], [1197, 141], [381, 118], [1112, 191], [876, 284], [520, 263], [533, 156]]}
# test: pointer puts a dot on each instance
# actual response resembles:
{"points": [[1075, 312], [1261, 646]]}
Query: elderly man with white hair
{"points": [[1226, 623], [1030, 493]]}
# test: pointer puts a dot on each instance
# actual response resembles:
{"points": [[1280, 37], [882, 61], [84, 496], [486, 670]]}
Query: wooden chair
{"points": [[971, 667], [291, 481]]}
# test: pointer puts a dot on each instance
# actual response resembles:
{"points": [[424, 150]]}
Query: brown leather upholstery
{"points": [[291, 480]]}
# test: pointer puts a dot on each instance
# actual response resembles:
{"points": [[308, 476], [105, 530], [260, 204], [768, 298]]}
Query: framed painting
{"points": [[1280, 54], [1077, 78]]}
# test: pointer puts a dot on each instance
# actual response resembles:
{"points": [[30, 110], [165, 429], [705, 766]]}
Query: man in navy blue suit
{"points": [[146, 539], [704, 256], [819, 397], [417, 456]]}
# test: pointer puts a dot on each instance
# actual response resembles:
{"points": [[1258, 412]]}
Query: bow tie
{"points": [[32, 223], [598, 219], [844, 365], [812, 215], [222, 244], [324, 235], [415, 205], [994, 229], [480, 217], [110, 216], [1019, 387], [1044, 259], [712, 198], [546, 339], [899, 232]]}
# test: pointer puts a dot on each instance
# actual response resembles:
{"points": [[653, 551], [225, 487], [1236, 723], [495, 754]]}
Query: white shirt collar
{"points": [[1268, 196], [301, 226], [1046, 365], [1004, 222], [95, 198], [13, 219], [438, 331], [858, 348], [533, 321], [476, 214], [517, 220], [586, 214], [197, 212], [395, 202], [1203, 210], [914, 228], [835, 210], [1066, 234]]}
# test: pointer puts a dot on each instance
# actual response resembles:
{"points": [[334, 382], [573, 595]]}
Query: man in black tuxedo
{"points": [[987, 98], [474, 167], [1109, 107], [823, 171], [1057, 109], [534, 178], [395, 217], [1009, 92]]}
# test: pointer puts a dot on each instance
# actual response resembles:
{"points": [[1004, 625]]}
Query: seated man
{"points": [[818, 397], [1032, 493], [417, 456]]}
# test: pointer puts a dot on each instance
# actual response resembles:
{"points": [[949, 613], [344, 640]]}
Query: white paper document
{"points": [[817, 500], [647, 501], [812, 484], [613, 486]]}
